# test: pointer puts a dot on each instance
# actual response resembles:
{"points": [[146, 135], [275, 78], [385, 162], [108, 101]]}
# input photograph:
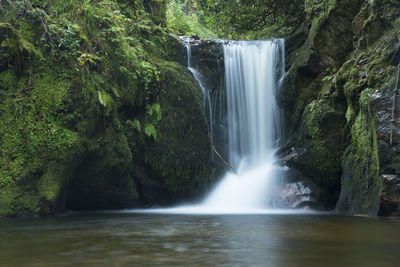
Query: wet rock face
{"points": [[178, 163], [338, 98], [318, 149], [330, 39], [208, 59], [102, 178], [315, 113], [387, 128], [390, 197], [297, 195], [295, 191]]}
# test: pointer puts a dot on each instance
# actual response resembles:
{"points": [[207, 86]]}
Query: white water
{"points": [[253, 73]]}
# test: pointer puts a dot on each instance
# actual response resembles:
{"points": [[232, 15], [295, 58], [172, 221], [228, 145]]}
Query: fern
{"points": [[150, 130]]}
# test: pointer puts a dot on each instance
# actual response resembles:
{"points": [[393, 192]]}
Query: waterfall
{"points": [[254, 72], [252, 77]]}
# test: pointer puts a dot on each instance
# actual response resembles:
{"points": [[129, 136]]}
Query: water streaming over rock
{"points": [[253, 71], [206, 93]]}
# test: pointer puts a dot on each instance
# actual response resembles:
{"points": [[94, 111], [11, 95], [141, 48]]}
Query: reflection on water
{"points": [[120, 239]]}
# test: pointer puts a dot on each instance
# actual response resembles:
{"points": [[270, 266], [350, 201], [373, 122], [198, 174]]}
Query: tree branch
{"points": [[219, 155]]}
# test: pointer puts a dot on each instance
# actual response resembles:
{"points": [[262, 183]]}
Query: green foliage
{"points": [[252, 19], [16, 41], [154, 111], [152, 118], [149, 74], [70, 65], [81, 92], [31, 128], [150, 130], [331, 74], [136, 124], [106, 100], [184, 17], [87, 59]]}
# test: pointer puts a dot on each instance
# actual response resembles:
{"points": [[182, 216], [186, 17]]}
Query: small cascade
{"points": [[206, 93]]}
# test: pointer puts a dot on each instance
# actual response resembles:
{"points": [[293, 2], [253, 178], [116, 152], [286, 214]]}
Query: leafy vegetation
{"points": [[252, 19], [184, 17], [80, 102], [244, 19], [89, 43]]}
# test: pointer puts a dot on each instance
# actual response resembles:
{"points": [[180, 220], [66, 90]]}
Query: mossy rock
{"points": [[318, 150], [180, 157], [329, 39], [361, 181], [350, 72], [66, 100], [102, 178]]}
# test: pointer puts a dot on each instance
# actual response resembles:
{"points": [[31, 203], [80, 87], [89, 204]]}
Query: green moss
{"points": [[32, 127], [313, 119], [182, 144], [103, 178], [77, 74], [361, 75], [50, 90], [17, 201], [361, 180], [8, 80], [321, 12], [320, 160], [313, 6], [51, 184]]}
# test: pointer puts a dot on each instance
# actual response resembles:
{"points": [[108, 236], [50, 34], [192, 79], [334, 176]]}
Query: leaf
{"points": [[101, 98], [75, 27], [104, 98], [149, 130], [327, 78], [158, 112], [136, 125], [115, 91], [155, 109]]}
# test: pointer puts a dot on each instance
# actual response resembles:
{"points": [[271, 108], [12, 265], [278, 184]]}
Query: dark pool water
{"points": [[132, 239]]}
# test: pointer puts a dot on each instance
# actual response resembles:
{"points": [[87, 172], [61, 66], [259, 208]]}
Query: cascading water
{"points": [[253, 71], [206, 94]]}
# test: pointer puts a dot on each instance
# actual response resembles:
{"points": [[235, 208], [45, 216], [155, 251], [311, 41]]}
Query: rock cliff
{"points": [[339, 97]]}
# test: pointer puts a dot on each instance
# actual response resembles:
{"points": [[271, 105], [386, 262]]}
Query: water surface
{"points": [[137, 239]]}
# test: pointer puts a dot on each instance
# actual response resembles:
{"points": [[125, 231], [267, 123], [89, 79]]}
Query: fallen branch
{"points": [[219, 155]]}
